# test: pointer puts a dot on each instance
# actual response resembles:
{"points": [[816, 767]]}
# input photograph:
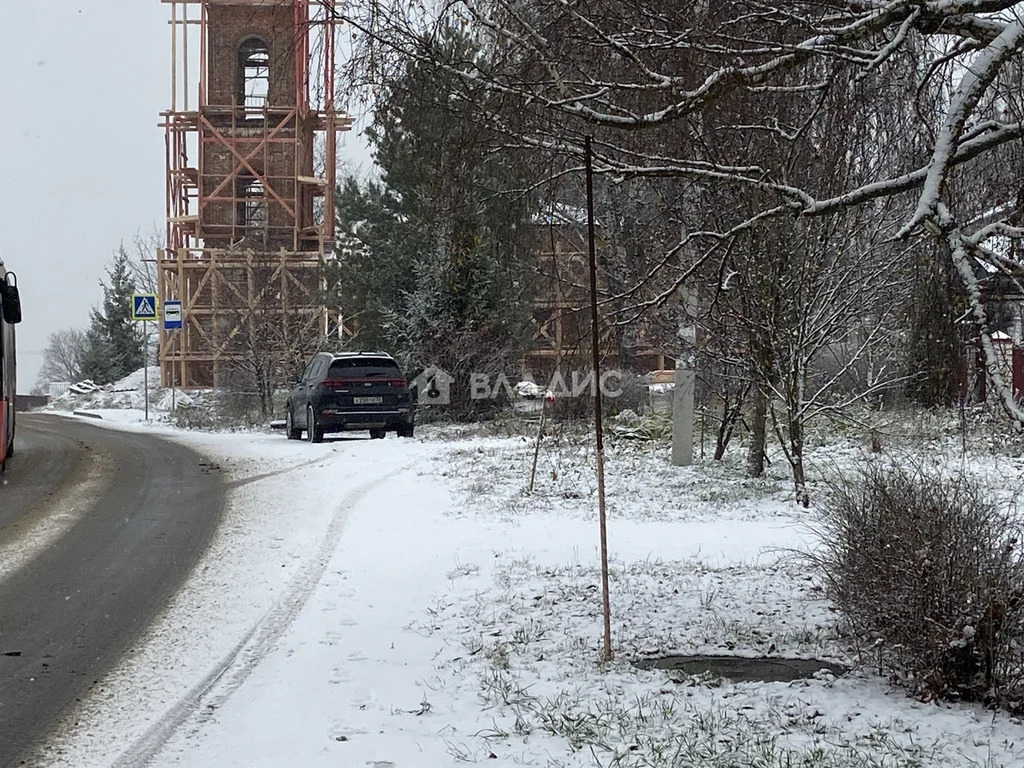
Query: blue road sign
{"points": [[172, 315], [144, 307]]}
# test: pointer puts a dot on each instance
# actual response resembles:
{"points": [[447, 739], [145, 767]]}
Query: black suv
{"points": [[349, 391]]}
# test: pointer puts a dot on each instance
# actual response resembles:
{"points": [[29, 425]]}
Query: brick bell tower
{"points": [[251, 141]]}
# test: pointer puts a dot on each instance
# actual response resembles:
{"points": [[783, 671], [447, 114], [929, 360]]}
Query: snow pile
{"points": [[529, 389], [136, 381], [127, 394], [170, 400]]}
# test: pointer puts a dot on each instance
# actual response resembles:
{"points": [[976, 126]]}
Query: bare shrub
{"points": [[623, 391], [928, 572], [242, 408], [197, 416], [627, 391], [225, 409]]}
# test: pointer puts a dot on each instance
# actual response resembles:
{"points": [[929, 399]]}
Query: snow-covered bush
{"points": [[928, 572]]}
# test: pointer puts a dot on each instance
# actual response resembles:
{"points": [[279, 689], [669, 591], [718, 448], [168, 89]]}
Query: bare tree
{"points": [[921, 99], [142, 263], [143, 258], [266, 338], [62, 358]]}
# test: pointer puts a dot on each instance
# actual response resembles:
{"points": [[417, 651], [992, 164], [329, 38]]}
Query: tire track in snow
{"points": [[214, 690]]}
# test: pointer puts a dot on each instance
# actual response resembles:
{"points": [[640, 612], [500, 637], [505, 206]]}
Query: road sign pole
{"points": [[144, 310], [174, 373], [174, 322], [145, 368]]}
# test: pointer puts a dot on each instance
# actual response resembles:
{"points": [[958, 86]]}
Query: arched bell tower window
{"points": [[253, 73]]}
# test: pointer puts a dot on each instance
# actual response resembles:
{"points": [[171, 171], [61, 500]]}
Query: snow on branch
{"points": [[980, 74], [960, 251]]}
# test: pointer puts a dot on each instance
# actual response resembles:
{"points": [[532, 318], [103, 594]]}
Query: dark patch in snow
{"points": [[739, 669]]}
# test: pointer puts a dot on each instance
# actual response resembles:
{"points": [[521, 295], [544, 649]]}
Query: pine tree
{"points": [[114, 344]]}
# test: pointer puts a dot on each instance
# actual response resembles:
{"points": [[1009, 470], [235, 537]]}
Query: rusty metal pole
{"points": [[536, 446], [595, 336]]}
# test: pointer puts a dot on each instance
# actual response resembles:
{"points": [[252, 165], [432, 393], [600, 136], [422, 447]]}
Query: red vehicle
{"points": [[10, 314]]}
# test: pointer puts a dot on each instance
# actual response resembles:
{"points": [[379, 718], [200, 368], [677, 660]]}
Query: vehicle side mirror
{"points": [[11, 300]]}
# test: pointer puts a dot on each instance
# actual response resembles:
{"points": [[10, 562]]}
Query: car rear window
{"points": [[363, 367]]}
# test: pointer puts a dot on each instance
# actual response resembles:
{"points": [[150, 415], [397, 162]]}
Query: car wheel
{"points": [[314, 432], [377, 434], [405, 431], [289, 426]]}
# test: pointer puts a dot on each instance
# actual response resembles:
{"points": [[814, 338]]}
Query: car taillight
{"points": [[340, 383]]}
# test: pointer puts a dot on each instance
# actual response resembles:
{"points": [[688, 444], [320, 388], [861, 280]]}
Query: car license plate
{"points": [[367, 400]]}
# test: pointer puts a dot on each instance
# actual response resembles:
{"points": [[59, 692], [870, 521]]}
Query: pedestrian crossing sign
{"points": [[144, 307]]}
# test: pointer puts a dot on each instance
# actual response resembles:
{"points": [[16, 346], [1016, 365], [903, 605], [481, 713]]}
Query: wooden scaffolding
{"points": [[251, 138], [561, 313]]}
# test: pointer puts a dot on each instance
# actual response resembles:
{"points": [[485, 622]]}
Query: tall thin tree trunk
{"points": [[755, 455], [265, 398], [732, 410], [730, 414], [795, 421], [796, 460]]}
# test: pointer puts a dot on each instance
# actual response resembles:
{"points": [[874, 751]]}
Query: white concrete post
{"points": [[682, 417]]}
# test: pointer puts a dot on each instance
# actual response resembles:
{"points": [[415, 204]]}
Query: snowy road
{"points": [[98, 528], [290, 509], [47, 460]]}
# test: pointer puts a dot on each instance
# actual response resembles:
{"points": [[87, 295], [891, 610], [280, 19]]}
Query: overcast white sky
{"points": [[81, 157]]}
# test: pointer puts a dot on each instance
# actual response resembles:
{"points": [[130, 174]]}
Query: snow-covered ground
{"points": [[407, 603]]}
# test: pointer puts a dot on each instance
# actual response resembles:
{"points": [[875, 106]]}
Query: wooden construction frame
{"points": [[561, 331], [211, 266]]}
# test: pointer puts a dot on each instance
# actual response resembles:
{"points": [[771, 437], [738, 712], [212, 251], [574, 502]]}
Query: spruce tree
{"points": [[96, 355], [114, 343]]}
